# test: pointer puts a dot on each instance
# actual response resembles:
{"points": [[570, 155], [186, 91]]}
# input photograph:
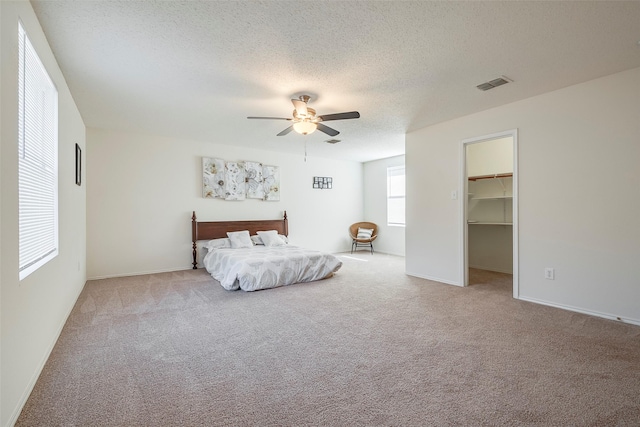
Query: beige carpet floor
{"points": [[368, 347]]}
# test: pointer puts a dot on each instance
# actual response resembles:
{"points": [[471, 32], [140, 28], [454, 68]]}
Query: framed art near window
{"points": [[78, 165]]}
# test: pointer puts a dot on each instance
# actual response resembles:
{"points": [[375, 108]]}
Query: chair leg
{"points": [[371, 248], [352, 245]]}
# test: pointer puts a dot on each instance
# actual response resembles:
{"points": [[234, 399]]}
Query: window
{"points": [[37, 160], [395, 195]]}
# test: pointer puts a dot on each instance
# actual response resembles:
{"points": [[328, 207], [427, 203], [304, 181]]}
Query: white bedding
{"points": [[262, 267]]}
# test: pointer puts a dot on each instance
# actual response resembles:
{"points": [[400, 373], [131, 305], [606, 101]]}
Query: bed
{"points": [[267, 262]]}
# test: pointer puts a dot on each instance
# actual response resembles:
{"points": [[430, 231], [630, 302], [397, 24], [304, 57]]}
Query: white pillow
{"points": [[240, 239], [364, 233], [258, 241], [271, 238], [217, 244]]}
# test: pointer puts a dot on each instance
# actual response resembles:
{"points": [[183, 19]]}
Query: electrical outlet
{"points": [[549, 273]]}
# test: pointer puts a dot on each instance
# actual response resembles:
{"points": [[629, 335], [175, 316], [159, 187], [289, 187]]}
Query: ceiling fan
{"points": [[305, 120]]}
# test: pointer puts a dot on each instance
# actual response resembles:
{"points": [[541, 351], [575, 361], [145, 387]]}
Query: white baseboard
{"points": [[389, 253], [139, 273], [40, 367], [434, 279], [497, 270], [348, 252], [582, 311]]}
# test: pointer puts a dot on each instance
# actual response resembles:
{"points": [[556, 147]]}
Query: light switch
{"points": [[549, 273], [454, 195]]}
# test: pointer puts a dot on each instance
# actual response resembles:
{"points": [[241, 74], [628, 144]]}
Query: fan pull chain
{"points": [[305, 150]]}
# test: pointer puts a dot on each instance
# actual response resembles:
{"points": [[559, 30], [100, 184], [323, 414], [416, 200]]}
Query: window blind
{"points": [[37, 159]]}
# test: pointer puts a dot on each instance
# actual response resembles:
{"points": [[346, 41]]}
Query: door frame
{"points": [[464, 189]]}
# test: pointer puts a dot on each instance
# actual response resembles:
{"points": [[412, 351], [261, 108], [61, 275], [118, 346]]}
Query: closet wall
{"points": [[490, 204]]}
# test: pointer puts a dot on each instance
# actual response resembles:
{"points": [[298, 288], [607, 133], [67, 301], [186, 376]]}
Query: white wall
{"points": [[143, 189], [491, 248], [35, 309], [390, 238], [578, 195], [490, 157]]}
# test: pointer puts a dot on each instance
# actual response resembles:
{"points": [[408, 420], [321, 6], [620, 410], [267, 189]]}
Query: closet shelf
{"points": [[470, 222], [498, 175], [492, 198]]}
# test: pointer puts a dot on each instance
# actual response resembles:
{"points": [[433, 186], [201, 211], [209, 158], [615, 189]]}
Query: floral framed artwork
{"points": [[213, 178], [234, 176], [254, 180], [239, 180], [271, 178]]}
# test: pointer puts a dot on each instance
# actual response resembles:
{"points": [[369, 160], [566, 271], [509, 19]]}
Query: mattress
{"points": [[262, 267]]}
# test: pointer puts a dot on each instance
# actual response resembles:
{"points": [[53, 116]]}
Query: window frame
{"points": [[391, 171], [38, 113]]}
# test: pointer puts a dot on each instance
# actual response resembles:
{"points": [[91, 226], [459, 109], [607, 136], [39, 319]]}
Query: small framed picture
{"points": [[322, 182], [78, 165]]}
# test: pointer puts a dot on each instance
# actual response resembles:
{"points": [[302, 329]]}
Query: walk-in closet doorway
{"points": [[489, 196]]}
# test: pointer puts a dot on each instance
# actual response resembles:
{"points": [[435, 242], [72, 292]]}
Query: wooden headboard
{"points": [[218, 229]]}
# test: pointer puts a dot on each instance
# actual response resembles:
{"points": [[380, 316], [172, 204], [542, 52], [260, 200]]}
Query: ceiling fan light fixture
{"points": [[304, 127], [305, 120]]}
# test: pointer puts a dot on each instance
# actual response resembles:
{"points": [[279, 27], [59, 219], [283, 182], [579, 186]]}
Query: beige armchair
{"points": [[368, 233]]}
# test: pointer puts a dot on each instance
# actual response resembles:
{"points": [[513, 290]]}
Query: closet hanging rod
{"points": [[498, 175]]}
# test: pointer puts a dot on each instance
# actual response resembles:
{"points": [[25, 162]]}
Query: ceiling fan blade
{"points": [[286, 131], [326, 129], [301, 107], [340, 116], [269, 118]]}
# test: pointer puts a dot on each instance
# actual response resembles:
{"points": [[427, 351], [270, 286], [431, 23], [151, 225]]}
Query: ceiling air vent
{"points": [[332, 141], [494, 83]]}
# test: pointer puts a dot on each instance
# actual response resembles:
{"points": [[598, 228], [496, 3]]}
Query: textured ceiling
{"points": [[197, 69]]}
